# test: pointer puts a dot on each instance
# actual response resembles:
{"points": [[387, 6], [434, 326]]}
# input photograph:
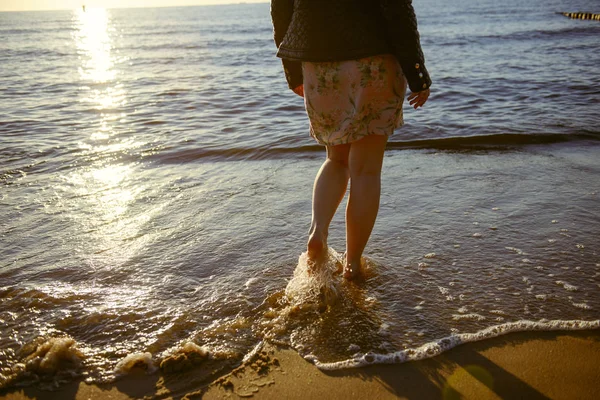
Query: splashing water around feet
{"points": [[315, 283]]}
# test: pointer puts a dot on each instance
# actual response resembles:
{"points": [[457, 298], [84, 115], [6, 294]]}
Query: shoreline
{"points": [[533, 365]]}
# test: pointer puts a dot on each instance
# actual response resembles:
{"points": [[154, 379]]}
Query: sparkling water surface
{"points": [[156, 177]]}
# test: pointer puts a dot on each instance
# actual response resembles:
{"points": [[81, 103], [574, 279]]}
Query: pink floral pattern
{"points": [[347, 100]]}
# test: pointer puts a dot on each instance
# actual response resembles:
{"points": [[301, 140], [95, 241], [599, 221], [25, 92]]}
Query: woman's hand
{"points": [[299, 90], [418, 99]]}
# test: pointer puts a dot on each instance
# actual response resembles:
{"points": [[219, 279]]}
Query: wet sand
{"points": [[532, 365]]}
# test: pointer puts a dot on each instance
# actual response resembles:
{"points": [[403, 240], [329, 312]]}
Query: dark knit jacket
{"points": [[338, 30]]}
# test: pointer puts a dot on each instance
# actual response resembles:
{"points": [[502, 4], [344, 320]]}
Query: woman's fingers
{"points": [[418, 99]]}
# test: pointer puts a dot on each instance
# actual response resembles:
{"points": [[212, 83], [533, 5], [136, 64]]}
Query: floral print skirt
{"points": [[348, 100]]}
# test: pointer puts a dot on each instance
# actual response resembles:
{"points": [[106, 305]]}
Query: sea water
{"points": [[156, 177]]}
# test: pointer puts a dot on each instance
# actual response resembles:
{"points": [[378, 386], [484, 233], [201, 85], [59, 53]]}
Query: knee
{"points": [[339, 154], [366, 156]]}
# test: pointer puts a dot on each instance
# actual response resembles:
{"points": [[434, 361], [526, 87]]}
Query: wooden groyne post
{"points": [[581, 15]]}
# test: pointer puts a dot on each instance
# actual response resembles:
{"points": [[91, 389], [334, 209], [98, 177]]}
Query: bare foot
{"points": [[352, 270]]}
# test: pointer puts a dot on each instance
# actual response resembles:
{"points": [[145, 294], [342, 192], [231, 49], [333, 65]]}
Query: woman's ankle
{"points": [[317, 244]]}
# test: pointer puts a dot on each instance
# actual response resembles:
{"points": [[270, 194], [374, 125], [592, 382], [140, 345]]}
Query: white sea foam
{"points": [[52, 354], [515, 250], [259, 346], [383, 328], [250, 282], [568, 287], [439, 346], [584, 306], [48, 359], [135, 361], [315, 283], [470, 316], [354, 347]]}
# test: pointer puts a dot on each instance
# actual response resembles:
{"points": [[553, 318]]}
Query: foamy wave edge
{"points": [[437, 347]]}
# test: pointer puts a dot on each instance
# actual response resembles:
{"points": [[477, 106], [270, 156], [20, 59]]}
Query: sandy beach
{"points": [[540, 365]]}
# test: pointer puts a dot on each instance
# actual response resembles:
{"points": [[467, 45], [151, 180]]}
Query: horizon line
{"points": [[233, 3]]}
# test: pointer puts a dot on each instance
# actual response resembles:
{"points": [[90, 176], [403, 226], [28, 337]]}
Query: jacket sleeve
{"points": [[401, 29], [281, 15]]}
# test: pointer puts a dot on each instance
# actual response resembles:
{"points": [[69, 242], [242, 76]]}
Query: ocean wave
{"points": [[437, 347], [529, 34], [36, 52], [18, 31], [166, 46], [272, 151], [165, 154], [496, 140], [232, 153]]}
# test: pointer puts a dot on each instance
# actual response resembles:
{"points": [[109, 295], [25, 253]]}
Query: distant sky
{"points": [[25, 5]]}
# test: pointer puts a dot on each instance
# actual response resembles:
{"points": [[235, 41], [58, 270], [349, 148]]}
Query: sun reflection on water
{"points": [[105, 187], [93, 37], [105, 194], [94, 45]]}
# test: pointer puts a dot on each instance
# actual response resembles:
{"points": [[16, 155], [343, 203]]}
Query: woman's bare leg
{"points": [[328, 191], [365, 162]]}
